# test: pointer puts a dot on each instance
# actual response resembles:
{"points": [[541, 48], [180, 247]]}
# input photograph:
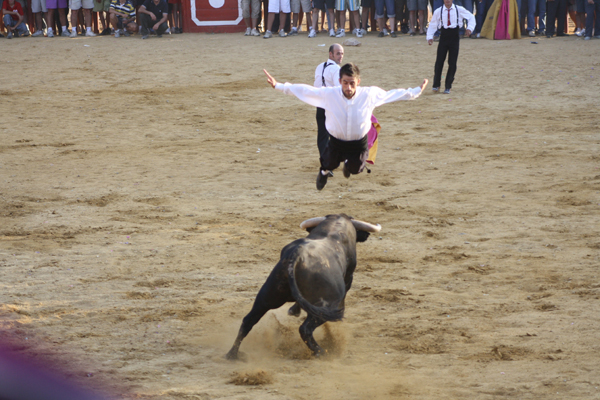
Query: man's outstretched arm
{"points": [[382, 97], [306, 93]]}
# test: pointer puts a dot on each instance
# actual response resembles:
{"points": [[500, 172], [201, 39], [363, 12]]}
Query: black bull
{"points": [[315, 272]]}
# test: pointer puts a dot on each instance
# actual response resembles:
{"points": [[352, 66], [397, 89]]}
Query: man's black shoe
{"points": [[346, 171], [321, 180]]}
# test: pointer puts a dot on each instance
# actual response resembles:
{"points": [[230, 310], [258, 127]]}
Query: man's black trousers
{"points": [[448, 45]]}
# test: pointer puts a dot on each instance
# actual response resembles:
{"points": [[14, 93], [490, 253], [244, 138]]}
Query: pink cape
{"points": [[372, 136]]}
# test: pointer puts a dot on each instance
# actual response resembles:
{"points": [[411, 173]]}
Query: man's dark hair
{"points": [[350, 70], [332, 48]]}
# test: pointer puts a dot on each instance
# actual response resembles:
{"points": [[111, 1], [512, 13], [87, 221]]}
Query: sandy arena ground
{"points": [[148, 187]]}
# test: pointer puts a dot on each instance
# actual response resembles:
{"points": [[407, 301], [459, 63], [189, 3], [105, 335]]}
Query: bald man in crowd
{"points": [[327, 74]]}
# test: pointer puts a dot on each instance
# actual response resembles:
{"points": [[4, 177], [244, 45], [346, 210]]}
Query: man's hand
{"points": [[424, 84], [430, 42], [153, 17], [155, 27], [468, 32], [270, 79]]}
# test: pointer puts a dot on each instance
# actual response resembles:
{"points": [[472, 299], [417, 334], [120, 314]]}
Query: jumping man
{"points": [[348, 111]]}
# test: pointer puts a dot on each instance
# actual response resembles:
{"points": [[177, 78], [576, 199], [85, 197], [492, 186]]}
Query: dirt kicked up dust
{"points": [[149, 186]]}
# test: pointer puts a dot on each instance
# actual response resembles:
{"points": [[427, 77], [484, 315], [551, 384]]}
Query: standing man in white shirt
{"points": [[348, 109], [327, 74], [448, 18]]}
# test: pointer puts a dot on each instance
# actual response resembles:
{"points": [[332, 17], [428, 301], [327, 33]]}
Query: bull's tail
{"points": [[333, 313]]}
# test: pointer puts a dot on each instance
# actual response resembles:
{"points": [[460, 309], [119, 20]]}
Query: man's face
{"points": [[349, 85], [337, 55], [448, 3]]}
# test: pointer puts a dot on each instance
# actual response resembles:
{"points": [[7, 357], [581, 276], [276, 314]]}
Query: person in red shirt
{"points": [[12, 16]]}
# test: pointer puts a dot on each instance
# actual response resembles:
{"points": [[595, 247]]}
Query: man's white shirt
{"points": [[442, 14], [347, 119], [331, 74]]}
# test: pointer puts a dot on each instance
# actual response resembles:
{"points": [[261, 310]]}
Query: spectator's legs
{"points": [[356, 17], [114, 21], [103, 21], [597, 23], [551, 17], [146, 23], [589, 21], [50, 20], [342, 23], [331, 18], [62, 17], [468, 5], [282, 19], [315, 19], [39, 23], [365, 18], [74, 18], [437, 4], [561, 13], [580, 20], [270, 20], [87, 15], [422, 22], [22, 29], [308, 20], [7, 20], [541, 11], [531, 5], [413, 21]]}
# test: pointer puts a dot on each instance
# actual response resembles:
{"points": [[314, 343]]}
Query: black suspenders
{"points": [[325, 65]]}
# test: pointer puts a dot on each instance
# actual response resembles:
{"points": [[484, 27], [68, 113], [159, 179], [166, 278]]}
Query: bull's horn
{"points": [[365, 226], [311, 223]]}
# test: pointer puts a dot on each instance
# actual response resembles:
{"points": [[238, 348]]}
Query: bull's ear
{"points": [[362, 236]]}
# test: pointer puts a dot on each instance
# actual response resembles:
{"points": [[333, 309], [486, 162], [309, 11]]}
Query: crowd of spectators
{"points": [[382, 17], [51, 18]]}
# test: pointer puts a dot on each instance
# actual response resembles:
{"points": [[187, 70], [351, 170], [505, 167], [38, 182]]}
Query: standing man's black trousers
{"points": [[322, 134], [448, 44]]}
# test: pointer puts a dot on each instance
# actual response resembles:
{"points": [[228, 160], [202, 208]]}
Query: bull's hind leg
{"points": [[248, 322], [306, 332]]}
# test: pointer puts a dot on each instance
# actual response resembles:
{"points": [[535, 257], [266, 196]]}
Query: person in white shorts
{"points": [[277, 6], [37, 8], [75, 6], [306, 6], [353, 6]]}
